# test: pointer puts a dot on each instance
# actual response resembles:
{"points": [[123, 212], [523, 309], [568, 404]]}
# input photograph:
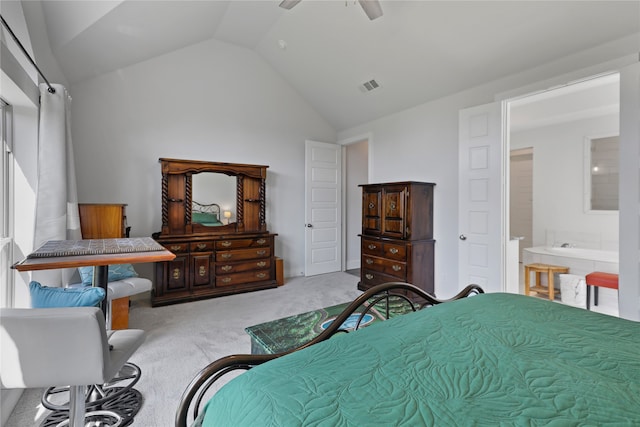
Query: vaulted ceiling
{"points": [[417, 51]]}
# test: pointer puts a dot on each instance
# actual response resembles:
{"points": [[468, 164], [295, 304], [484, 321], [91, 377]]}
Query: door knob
{"points": [[463, 237], [309, 225]]}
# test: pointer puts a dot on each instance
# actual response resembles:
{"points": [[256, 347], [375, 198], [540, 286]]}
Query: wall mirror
{"points": [[601, 174], [213, 199]]}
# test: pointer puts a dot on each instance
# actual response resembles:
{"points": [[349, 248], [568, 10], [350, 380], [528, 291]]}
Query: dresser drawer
{"points": [[243, 243], [371, 278], [242, 254], [241, 278], [395, 251], [177, 247], [388, 266], [238, 267], [202, 247], [372, 247]]}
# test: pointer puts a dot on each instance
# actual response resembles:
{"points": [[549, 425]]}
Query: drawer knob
{"points": [[202, 246], [396, 268], [261, 252], [226, 243], [392, 206], [261, 241], [393, 250], [176, 273], [372, 246], [226, 268], [175, 247], [372, 205], [261, 264], [202, 271], [226, 280], [369, 276], [226, 256], [261, 275], [369, 261]]}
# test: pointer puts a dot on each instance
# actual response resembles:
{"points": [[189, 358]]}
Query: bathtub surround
{"points": [[603, 240]]}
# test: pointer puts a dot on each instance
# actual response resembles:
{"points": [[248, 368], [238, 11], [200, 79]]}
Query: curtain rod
{"points": [[4, 23]]}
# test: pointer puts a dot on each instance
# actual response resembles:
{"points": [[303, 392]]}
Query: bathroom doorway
{"points": [[521, 197], [548, 133]]}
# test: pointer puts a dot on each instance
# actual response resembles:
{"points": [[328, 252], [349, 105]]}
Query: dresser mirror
{"points": [[200, 197], [213, 199]]}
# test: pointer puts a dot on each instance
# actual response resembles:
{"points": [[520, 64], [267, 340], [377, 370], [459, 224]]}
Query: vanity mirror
{"points": [[601, 177], [213, 219]]}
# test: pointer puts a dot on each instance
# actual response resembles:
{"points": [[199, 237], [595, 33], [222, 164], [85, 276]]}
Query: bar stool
{"points": [[599, 279], [539, 268], [42, 347]]}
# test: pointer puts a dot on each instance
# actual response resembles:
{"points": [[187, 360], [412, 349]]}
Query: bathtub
{"points": [[577, 253]]}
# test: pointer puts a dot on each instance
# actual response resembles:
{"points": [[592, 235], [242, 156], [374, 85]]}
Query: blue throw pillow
{"points": [[116, 272], [49, 297]]}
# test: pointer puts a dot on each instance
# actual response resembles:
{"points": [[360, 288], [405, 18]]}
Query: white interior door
{"points": [[481, 206], [323, 186]]}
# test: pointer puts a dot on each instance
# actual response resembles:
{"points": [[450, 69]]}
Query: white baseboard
{"points": [[354, 263], [9, 398]]}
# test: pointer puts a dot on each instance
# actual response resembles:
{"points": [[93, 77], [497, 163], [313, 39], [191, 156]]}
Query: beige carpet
{"points": [[181, 339]]}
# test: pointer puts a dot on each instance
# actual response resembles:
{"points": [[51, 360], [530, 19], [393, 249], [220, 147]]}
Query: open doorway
{"points": [[554, 128], [356, 172]]}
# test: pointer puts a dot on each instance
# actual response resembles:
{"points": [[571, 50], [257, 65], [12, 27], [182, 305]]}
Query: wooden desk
{"points": [[98, 253]]}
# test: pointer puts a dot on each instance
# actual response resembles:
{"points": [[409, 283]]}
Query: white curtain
{"points": [[57, 216]]}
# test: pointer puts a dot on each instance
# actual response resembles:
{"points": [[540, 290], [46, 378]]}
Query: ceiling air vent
{"points": [[369, 86]]}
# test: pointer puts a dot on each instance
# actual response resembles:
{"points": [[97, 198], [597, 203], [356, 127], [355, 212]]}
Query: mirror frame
{"points": [[250, 196]]}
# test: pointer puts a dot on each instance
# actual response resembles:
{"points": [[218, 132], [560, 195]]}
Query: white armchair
{"points": [[43, 347]]}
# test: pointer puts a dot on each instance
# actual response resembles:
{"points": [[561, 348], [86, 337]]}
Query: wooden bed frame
{"points": [[416, 298]]}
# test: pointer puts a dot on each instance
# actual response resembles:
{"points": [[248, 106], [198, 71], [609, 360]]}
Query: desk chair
{"points": [[43, 347]]}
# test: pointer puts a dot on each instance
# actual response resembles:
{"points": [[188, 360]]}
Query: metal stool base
{"points": [[56, 398], [118, 412]]}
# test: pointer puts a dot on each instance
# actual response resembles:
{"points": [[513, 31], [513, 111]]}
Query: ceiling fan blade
{"points": [[371, 7], [288, 4]]}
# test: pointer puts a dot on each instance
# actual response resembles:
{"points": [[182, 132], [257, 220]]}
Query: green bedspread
{"points": [[490, 360]]}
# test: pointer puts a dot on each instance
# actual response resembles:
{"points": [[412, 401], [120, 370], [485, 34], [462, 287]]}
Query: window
{"points": [[6, 213]]}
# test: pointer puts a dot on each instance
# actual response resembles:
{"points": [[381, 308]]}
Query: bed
{"points": [[205, 214], [485, 359]]}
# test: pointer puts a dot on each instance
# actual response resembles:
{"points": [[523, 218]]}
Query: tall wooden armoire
{"points": [[397, 234]]}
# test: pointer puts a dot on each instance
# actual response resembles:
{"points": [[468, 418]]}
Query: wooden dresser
{"points": [[397, 234], [219, 257]]}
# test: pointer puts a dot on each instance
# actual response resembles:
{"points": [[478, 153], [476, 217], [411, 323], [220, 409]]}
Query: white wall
{"points": [[558, 184], [421, 143], [211, 101]]}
